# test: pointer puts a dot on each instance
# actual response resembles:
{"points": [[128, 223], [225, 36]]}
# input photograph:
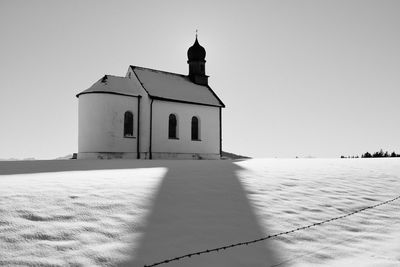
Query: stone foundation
{"points": [[107, 155], [146, 155], [166, 155]]}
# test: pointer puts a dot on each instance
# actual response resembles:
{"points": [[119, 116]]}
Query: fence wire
{"points": [[217, 249], [322, 248]]}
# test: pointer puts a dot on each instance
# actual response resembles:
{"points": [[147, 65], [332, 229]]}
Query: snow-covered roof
{"points": [[159, 85], [112, 85], [173, 86]]}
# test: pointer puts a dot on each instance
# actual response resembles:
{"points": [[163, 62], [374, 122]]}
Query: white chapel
{"points": [[152, 114]]}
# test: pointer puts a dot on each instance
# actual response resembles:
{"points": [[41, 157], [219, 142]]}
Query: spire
{"points": [[196, 51], [197, 60]]}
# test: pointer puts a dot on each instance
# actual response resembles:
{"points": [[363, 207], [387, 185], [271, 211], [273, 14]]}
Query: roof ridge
{"points": [[167, 72], [114, 76]]}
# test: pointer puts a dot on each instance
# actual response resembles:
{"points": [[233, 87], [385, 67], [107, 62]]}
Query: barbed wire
{"points": [[217, 249], [323, 248]]}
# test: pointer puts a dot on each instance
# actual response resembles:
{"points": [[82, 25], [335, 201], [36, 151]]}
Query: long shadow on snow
{"points": [[38, 166], [202, 205]]}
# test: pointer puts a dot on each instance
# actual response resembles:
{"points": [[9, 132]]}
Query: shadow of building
{"points": [[202, 205]]}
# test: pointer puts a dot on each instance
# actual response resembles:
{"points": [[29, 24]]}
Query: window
{"points": [[195, 128], [128, 124], [172, 127]]}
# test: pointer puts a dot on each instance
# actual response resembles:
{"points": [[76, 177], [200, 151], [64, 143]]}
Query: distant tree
{"points": [[342, 157], [378, 154], [366, 155]]}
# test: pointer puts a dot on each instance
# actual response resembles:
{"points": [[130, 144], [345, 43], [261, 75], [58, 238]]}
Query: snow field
{"points": [[291, 193], [78, 218], [169, 208]]}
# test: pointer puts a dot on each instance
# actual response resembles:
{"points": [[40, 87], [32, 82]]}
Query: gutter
{"points": [[183, 101], [138, 129], [151, 128], [220, 132]]}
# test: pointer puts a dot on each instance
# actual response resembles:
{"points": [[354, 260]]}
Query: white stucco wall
{"points": [[144, 114], [209, 130], [101, 123]]}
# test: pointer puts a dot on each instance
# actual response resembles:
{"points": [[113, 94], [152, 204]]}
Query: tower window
{"points": [[172, 127], [128, 124], [195, 128]]}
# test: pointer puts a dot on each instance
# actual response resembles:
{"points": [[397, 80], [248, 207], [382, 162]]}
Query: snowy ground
{"points": [[287, 194], [102, 213]]}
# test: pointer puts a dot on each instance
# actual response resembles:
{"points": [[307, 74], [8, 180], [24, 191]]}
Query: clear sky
{"points": [[299, 78]]}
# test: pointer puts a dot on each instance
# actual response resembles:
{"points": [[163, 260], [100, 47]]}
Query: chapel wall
{"points": [[144, 115], [101, 123], [207, 147]]}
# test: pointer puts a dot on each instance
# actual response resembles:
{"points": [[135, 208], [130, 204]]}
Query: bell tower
{"points": [[197, 63]]}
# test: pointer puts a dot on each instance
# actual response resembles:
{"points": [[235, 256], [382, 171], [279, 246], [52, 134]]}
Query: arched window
{"points": [[128, 124], [195, 128], [172, 127]]}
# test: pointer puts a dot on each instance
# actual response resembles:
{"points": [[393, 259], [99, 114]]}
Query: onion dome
{"points": [[196, 52]]}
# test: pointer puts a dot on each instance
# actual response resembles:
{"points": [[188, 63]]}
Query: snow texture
{"points": [[287, 194], [105, 213], [79, 218]]}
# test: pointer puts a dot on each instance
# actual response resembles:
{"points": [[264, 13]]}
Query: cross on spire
{"points": [[196, 33]]}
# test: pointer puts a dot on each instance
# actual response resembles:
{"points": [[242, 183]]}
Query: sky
{"points": [[298, 78]]}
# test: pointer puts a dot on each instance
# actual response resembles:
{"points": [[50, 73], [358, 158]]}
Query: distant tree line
{"points": [[378, 154]]}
